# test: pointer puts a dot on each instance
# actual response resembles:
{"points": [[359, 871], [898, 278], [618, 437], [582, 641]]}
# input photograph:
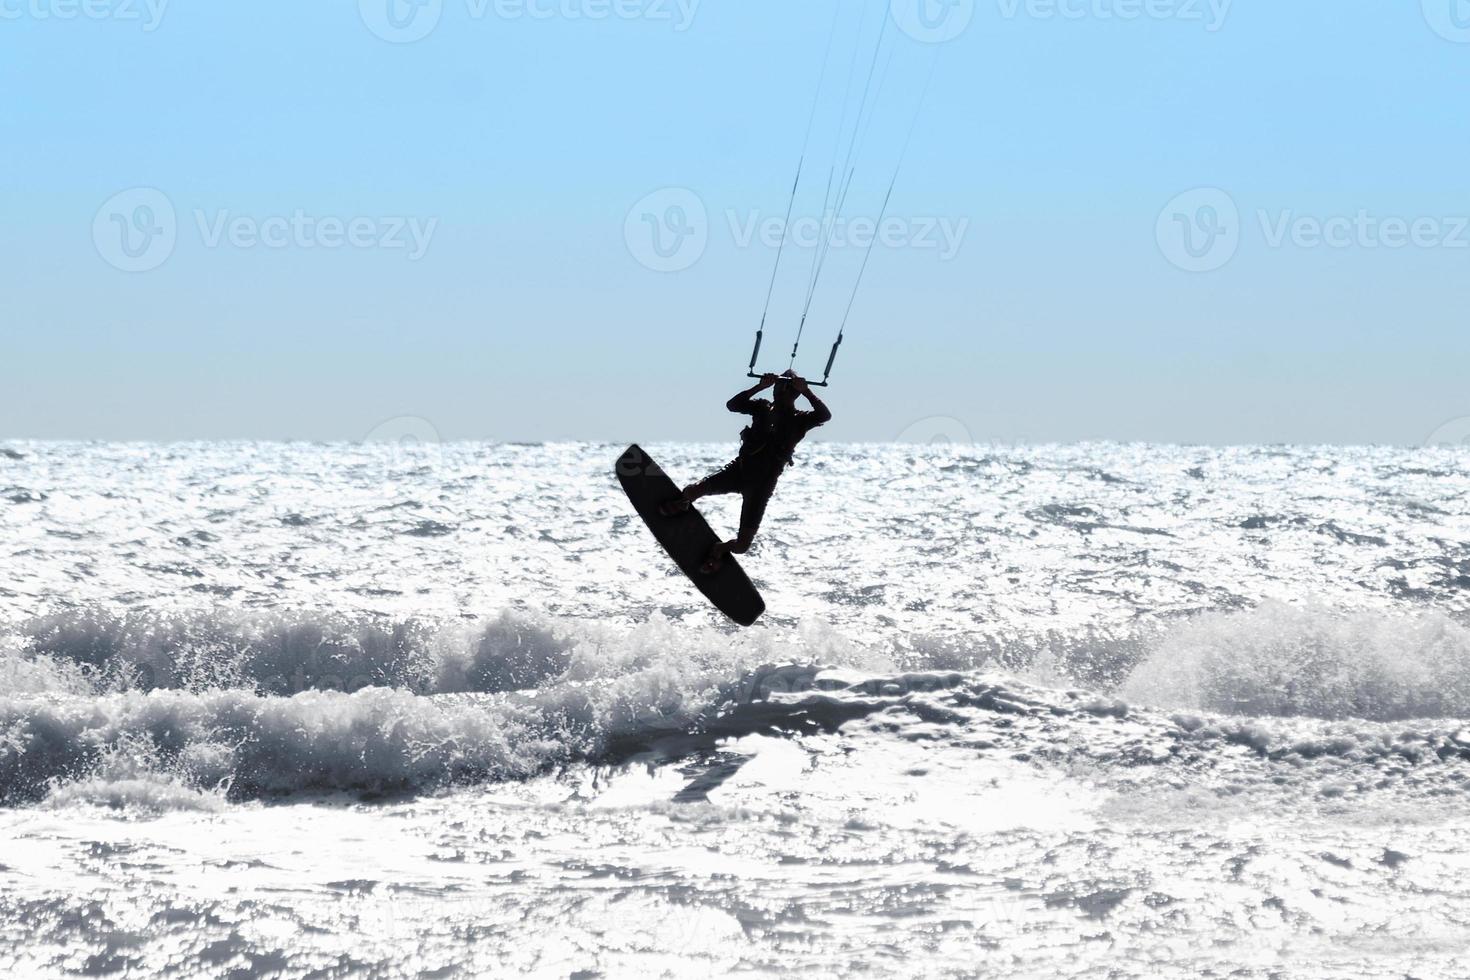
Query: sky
{"points": [[1189, 221]]}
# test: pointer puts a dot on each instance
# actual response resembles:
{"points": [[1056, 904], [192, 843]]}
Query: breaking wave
{"points": [[245, 704], [281, 653], [1282, 660], [191, 708]]}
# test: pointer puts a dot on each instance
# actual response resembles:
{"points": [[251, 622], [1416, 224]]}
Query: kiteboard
{"points": [[687, 538]]}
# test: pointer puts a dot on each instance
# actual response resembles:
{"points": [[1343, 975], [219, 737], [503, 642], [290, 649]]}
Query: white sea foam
{"points": [[1146, 711], [1284, 660]]}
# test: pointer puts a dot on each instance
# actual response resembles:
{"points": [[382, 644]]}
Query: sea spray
{"points": [[1311, 661]]}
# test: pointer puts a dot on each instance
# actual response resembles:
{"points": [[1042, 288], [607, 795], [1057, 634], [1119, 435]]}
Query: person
{"points": [[766, 449]]}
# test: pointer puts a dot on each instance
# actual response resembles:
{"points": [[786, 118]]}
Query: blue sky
{"points": [[1169, 220]]}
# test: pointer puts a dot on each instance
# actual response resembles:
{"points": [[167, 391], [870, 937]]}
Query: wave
{"points": [[177, 749], [241, 744], [130, 747], [278, 653], [154, 709], [246, 704], [1282, 660], [93, 650], [1274, 659]]}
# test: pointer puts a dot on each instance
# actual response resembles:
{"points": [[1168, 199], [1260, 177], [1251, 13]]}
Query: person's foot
{"points": [[715, 561], [673, 508]]}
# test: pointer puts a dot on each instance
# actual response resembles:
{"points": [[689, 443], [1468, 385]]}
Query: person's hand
{"points": [[800, 384], [768, 380]]}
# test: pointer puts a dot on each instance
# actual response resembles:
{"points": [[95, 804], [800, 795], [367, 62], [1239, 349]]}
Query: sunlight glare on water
{"points": [[441, 710]]}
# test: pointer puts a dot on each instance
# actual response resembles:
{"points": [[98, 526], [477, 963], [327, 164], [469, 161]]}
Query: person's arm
{"points": [[741, 403], [821, 413]]}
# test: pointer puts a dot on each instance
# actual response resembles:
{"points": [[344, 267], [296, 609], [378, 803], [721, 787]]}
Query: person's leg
{"points": [[752, 510], [726, 480]]}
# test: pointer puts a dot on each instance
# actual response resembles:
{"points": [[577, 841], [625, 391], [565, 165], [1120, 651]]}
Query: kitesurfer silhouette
{"points": [[766, 449]]}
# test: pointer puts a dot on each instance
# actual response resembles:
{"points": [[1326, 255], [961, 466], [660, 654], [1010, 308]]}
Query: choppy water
{"points": [[396, 710]]}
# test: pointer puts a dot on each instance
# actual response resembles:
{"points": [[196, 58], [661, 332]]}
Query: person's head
{"points": [[784, 393]]}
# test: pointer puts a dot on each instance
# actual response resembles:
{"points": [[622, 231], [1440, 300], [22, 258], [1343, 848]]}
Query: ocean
{"points": [[409, 709]]}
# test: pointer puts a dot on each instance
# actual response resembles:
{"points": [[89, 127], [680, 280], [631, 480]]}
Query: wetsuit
{"points": [[766, 449]]}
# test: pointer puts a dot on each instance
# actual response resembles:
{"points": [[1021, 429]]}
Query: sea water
{"points": [[445, 710]]}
